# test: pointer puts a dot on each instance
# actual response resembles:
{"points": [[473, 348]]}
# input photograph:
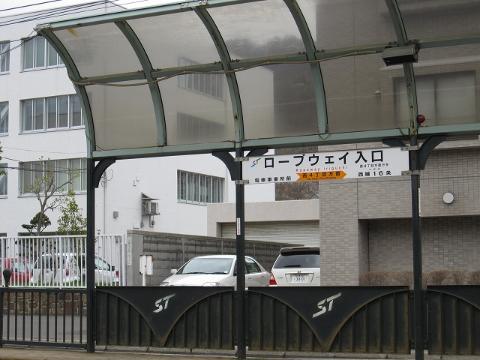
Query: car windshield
{"points": [[207, 266], [20, 267], [296, 260]]}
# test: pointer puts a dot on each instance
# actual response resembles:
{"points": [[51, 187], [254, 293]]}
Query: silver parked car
{"points": [[297, 266], [217, 270], [69, 269]]}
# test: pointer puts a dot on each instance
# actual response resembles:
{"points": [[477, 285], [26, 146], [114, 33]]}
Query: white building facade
{"points": [[42, 129]]}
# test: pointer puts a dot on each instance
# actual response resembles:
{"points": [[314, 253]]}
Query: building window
{"points": [[3, 117], [58, 112], [207, 84], [199, 188], [3, 179], [443, 98], [38, 53], [191, 128], [4, 56], [66, 174]]}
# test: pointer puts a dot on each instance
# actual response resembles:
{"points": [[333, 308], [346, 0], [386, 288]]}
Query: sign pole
{"points": [[90, 255], [94, 174], [417, 250], [240, 252]]}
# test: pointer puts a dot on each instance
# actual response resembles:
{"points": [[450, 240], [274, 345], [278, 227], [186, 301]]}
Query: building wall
{"points": [[125, 180], [295, 210], [451, 243], [353, 211]]}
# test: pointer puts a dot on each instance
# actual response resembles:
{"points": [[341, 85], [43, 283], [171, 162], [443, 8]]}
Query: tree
{"points": [[45, 188], [39, 222], [71, 220]]}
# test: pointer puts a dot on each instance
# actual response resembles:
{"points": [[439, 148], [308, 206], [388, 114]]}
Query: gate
{"points": [[52, 317]]}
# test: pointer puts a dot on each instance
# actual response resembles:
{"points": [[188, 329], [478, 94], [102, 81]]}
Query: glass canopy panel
{"points": [[277, 101], [258, 29], [99, 50], [363, 94], [175, 39], [123, 117], [426, 19], [447, 84], [347, 23], [198, 109]]}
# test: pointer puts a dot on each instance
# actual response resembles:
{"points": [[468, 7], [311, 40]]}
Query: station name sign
{"points": [[351, 164]]}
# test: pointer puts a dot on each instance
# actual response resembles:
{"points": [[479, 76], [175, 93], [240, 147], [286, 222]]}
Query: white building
{"points": [[42, 128]]}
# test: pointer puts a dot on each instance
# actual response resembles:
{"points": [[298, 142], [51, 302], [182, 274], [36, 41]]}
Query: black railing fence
{"points": [[312, 319], [53, 317]]}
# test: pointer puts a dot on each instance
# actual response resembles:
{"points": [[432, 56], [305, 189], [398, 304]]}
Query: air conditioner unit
{"points": [[154, 208], [150, 208]]}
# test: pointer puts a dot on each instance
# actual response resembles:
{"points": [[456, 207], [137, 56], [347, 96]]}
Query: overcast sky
{"points": [[131, 4]]}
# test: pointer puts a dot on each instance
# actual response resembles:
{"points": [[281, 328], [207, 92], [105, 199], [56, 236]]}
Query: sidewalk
{"points": [[25, 353]]}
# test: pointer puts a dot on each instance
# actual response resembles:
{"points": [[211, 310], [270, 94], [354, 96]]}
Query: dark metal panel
{"points": [[454, 320], [187, 320], [327, 312]]}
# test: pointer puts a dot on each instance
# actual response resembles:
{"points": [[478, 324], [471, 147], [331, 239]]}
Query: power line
{"points": [[58, 170], [29, 5], [63, 11], [54, 12], [42, 151]]}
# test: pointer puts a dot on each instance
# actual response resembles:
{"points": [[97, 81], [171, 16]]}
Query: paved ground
{"points": [[14, 353]]}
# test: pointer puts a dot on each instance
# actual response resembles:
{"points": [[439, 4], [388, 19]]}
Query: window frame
{"points": [[46, 114], [47, 48], [435, 77], [55, 166], [4, 168], [6, 104], [198, 189], [197, 82], [5, 54]]}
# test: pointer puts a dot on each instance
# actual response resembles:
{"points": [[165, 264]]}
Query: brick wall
{"points": [[451, 243], [353, 211]]}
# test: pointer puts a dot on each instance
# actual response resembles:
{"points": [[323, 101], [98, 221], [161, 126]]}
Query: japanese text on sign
{"points": [[349, 164]]}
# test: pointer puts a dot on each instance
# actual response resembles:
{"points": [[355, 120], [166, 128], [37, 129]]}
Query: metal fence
{"points": [[60, 261], [55, 317]]}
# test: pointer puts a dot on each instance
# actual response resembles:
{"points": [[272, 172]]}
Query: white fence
{"points": [[60, 261]]}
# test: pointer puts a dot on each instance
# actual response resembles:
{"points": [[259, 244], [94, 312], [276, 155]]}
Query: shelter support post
{"points": [[94, 174], [417, 251], [240, 252], [234, 166], [418, 159]]}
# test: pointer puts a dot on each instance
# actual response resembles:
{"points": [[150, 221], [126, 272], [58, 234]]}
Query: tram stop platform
{"points": [[27, 353]]}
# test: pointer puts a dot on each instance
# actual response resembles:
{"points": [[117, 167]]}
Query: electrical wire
{"points": [[42, 151], [73, 9], [58, 170], [58, 12], [29, 5]]}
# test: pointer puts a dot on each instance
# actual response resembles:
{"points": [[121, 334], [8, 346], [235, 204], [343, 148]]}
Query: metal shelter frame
{"points": [[151, 76], [230, 66]]}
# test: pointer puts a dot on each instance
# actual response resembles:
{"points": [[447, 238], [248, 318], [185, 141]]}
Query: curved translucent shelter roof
{"points": [[221, 74]]}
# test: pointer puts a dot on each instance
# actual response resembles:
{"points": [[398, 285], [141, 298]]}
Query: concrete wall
{"points": [[170, 251], [294, 210]]}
